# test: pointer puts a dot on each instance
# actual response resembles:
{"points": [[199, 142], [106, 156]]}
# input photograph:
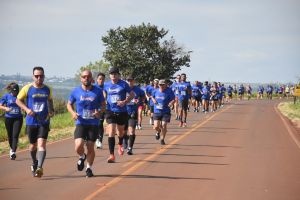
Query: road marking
{"points": [[172, 138], [155, 154], [287, 127], [129, 163]]}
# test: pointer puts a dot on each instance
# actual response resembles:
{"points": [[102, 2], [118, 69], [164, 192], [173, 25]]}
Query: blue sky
{"points": [[233, 40]]}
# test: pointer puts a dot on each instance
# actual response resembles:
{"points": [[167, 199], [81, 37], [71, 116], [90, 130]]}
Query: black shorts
{"points": [[86, 132], [116, 118], [184, 104], [151, 109], [197, 98], [166, 117], [37, 131]]}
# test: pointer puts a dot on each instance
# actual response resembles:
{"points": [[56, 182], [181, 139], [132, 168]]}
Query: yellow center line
{"points": [[155, 154], [129, 163], [172, 138]]}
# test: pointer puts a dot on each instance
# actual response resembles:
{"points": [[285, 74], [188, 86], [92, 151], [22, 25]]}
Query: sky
{"points": [[250, 41]]}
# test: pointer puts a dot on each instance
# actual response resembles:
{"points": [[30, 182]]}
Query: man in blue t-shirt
{"points": [[116, 91], [132, 110], [90, 103], [39, 109], [184, 88], [163, 98]]}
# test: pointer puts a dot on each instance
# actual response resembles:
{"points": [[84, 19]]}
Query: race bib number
{"points": [[87, 114], [15, 111], [159, 106], [38, 107], [115, 98]]}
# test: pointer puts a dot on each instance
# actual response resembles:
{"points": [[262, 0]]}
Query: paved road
{"points": [[243, 151]]}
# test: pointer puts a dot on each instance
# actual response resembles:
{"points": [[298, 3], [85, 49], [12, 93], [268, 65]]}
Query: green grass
{"points": [[290, 110], [59, 121]]}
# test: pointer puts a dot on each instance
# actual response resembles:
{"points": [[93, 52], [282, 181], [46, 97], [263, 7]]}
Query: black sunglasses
{"points": [[39, 76]]}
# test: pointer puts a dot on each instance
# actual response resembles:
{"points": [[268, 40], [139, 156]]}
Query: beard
{"points": [[87, 83]]}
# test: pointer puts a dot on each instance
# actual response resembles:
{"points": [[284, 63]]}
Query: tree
{"points": [[98, 66], [140, 51]]}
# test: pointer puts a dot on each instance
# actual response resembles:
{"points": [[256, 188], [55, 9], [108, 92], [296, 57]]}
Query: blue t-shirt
{"points": [[149, 91], [139, 94], [36, 100], [205, 93], [116, 92], [184, 88], [163, 99], [175, 88], [196, 90], [10, 101], [87, 101]]}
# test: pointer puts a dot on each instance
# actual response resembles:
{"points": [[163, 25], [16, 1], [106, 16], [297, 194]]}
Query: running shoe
{"points": [[89, 173], [162, 142], [39, 172], [180, 124], [184, 124], [33, 167], [157, 135], [120, 150], [12, 155], [98, 144], [129, 151], [80, 163], [111, 158]]}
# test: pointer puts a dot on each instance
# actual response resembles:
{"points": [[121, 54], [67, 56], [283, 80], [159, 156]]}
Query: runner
{"points": [[241, 92], [269, 92], [260, 92], [249, 91], [100, 84], [163, 99], [175, 89], [39, 109], [132, 110], [183, 99], [214, 97], [116, 114], [153, 85], [88, 99], [13, 117], [205, 97], [196, 96], [229, 93]]}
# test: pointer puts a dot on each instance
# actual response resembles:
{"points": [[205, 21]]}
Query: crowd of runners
{"points": [[115, 107]]}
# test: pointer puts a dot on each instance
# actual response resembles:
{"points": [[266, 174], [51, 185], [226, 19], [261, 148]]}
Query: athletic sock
{"points": [[111, 144], [41, 157], [131, 140], [33, 155]]}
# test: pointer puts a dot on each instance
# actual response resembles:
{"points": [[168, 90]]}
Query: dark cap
{"points": [[14, 87], [113, 70]]}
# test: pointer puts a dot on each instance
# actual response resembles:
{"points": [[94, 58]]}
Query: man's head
{"points": [[100, 78], [86, 78], [162, 84], [38, 75], [114, 73], [130, 80], [183, 77]]}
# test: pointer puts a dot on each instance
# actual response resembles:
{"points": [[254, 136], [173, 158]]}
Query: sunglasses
{"points": [[39, 76]]}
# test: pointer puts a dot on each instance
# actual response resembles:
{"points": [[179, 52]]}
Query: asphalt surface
{"points": [[245, 150]]}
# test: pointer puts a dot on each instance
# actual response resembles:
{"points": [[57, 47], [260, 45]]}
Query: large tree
{"points": [[141, 51]]}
